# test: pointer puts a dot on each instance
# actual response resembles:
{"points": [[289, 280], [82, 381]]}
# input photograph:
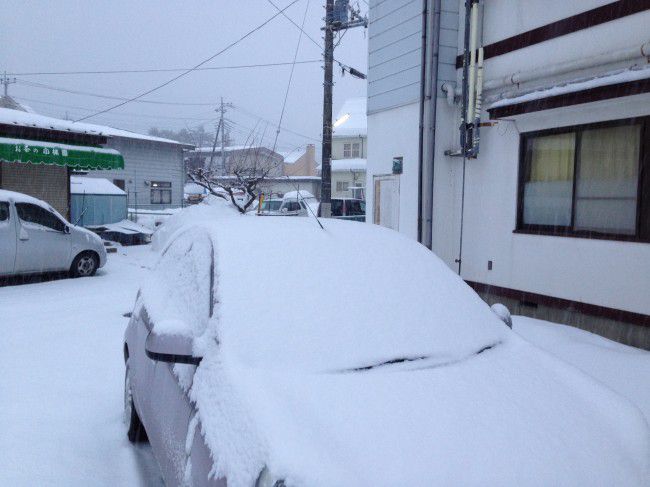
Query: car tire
{"points": [[84, 265], [135, 432]]}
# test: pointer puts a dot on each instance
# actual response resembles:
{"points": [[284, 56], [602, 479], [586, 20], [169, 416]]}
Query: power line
{"points": [[257, 117], [130, 114], [293, 66], [35, 84], [186, 72], [163, 70]]}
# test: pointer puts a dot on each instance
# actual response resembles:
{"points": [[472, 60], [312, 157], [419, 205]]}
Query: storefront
{"points": [[42, 168]]}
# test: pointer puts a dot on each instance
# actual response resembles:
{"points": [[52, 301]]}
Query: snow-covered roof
{"points": [[606, 79], [352, 119], [230, 148], [290, 157], [25, 119], [348, 164], [126, 227], [86, 185]]}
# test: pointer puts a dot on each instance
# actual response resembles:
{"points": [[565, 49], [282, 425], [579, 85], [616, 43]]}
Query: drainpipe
{"points": [[428, 101]]}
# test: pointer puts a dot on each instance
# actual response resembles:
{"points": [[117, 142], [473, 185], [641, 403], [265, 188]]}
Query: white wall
{"points": [[338, 143], [353, 178], [608, 273], [393, 133]]}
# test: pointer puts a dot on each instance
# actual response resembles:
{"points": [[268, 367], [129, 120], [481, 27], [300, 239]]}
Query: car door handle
{"points": [[23, 235]]}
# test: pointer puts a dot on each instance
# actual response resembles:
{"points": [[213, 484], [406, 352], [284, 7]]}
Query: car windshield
{"points": [[271, 205]]}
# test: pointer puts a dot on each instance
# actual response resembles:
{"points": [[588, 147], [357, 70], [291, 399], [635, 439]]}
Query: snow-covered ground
{"points": [[62, 380], [623, 369]]}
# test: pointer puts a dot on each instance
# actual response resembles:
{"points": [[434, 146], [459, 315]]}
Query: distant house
{"points": [[234, 156], [96, 201], [300, 162], [349, 149]]}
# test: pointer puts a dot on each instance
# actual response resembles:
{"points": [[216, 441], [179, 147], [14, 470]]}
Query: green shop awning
{"points": [[74, 156]]}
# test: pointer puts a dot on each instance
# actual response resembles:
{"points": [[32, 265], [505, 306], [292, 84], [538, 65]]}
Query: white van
{"points": [[299, 203], [35, 238]]}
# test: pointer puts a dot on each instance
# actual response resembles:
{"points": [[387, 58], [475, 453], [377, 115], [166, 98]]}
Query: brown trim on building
{"points": [[50, 135], [575, 23], [564, 304], [591, 95]]}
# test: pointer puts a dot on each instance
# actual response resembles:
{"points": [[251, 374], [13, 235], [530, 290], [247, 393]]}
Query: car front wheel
{"points": [[84, 265], [136, 432]]}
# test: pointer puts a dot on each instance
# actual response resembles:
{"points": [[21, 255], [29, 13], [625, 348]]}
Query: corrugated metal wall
{"points": [[395, 51], [145, 162]]}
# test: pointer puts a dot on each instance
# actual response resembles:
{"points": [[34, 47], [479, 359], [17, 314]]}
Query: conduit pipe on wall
{"points": [[632, 53]]}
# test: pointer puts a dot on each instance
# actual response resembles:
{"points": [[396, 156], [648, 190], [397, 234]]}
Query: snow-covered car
{"points": [[298, 203], [270, 207], [406, 378], [35, 238]]}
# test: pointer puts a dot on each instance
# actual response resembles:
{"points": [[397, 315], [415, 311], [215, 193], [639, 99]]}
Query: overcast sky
{"points": [[73, 35]]}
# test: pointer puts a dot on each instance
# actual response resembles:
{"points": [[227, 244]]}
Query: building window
{"points": [[587, 181], [119, 183], [347, 150], [161, 193], [342, 186], [356, 150]]}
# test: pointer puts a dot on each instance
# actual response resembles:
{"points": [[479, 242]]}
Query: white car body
{"points": [[404, 378], [28, 247]]}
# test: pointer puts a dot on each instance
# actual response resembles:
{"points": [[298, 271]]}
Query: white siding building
{"points": [[552, 216], [349, 148]]}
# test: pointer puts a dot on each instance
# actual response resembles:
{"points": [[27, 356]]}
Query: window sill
{"points": [[574, 234]]}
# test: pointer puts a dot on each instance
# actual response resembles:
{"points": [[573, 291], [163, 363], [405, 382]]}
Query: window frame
{"points": [[356, 149], [570, 231], [6, 203], [160, 188], [347, 149]]}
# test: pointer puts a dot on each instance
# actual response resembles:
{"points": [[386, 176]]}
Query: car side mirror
{"points": [[169, 348], [66, 229], [503, 313], [283, 210]]}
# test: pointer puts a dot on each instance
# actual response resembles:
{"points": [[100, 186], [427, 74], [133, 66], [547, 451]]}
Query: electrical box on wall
{"points": [[398, 165]]}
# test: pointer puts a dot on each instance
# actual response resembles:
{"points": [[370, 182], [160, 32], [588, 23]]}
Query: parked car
{"points": [[405, 378], [349, 209], [35, 238], [298, 203], [270, 207]]}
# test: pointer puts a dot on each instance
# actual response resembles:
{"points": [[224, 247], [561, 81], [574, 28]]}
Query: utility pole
{"points": [[223, 108], [6, 82], [336, 19], [328, 86]]}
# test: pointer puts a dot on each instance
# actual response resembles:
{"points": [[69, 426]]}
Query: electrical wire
{"points": [[186, 72], [293, 66], [164, 70]]}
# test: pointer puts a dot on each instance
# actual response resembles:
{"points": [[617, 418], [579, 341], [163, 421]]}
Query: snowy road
{"points": [[62, 380]]}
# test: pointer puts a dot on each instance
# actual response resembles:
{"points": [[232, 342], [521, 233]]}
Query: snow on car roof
{"points": [[88, 185], [6, 195], [399, 376], [293, 195]]}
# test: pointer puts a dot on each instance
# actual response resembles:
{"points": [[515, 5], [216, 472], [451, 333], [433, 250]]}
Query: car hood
{"points": [[506, 415]]}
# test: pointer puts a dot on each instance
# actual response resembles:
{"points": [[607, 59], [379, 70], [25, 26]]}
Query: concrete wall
{"points": [[144, 162], [45, 182]]}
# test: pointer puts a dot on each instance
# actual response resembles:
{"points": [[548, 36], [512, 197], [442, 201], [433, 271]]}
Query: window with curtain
{"points": [[585, 181]]}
